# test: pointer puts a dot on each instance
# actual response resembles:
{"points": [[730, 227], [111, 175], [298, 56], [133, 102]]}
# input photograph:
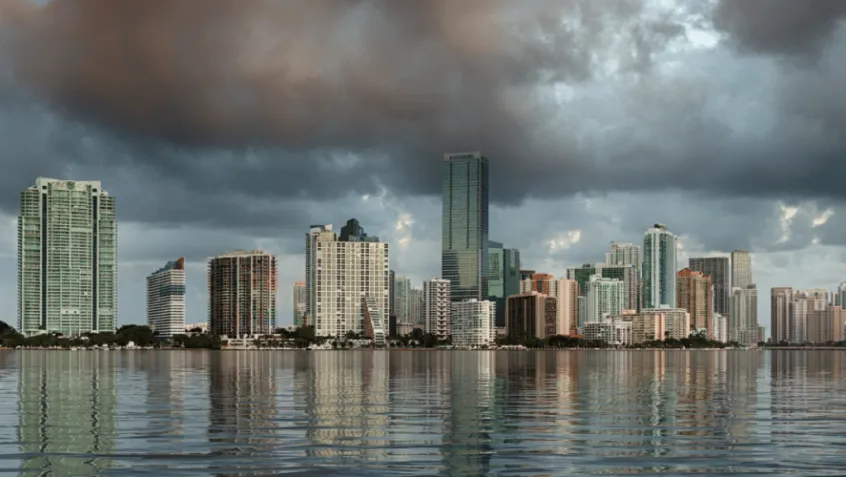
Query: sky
{"points": [[224, 124]]}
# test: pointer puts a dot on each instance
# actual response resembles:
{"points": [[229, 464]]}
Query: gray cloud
{"points": [[236, 124], [783, 27]]}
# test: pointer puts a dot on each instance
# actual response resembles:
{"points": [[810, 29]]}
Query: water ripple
{"points": [[379, 413]]}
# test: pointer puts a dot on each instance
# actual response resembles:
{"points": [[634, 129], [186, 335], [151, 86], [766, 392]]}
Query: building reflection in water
{"points": [[66, 407], [347, 406], [165, 398], [467, 448], [243, 410]]}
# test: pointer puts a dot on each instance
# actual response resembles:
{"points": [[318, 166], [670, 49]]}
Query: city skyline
{"points": [[282, 318], [589, 140]]}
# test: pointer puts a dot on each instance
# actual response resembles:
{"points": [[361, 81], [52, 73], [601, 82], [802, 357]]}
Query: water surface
{"points": [[381, 413]]}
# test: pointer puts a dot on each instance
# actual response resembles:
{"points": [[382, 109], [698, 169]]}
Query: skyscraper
{"points": [[624, 254], [503, 277], [300, 303], [311, 267], [743, 321], [693, 293], [659, 267], [341, 273], [741, 269], [67, 258], [718, 269], [437, 311], [464, 259], [242, 294], [780, 300], [605, 296], [166, 299]]}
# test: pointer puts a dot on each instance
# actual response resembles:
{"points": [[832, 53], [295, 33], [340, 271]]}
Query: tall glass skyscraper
{"points": [[67, 258], [659, 267], [464, 259]]}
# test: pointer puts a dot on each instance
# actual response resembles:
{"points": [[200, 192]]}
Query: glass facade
{"points": [[503, 277], [464, 259], [659, 268]]}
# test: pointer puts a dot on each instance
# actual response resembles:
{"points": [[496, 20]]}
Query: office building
{"points": [[676, 322], [648, 325], [626, 273], [719, 270], [566, 293], [694, 294], [437, 311], [242, 294], [582, 313], [415, 308], [613, 332], [392, 280], [464, 259], [344, 271], [473, 323], [300, 301], [659, 267], [402, 301], [839, 297], [605, 297], [67, 258], [826, 326], [624, 254], [503, 277], [166, 299], [780, 300], [530, 315], [719, 328], [743, 320], [804, 305], [315, 231], [741, 269]]}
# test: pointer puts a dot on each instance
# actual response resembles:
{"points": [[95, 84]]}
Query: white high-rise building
{"points": [[659, 267], [624, 254], [342, 271], [473, 323], [437, 311], [67, 258], [743, 320], [166, 299], [604, 297], [719, 330], [741, 269], [402, 300]]}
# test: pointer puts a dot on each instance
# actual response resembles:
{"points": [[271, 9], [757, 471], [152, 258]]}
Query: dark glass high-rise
{"points": [[464, 259]]}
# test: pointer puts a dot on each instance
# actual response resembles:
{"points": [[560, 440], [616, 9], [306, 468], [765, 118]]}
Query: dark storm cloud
{"points": [[784, 27], [321, 98]]}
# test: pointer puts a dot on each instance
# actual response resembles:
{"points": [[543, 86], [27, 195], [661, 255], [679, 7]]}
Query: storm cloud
{"points": [[224, 122]]}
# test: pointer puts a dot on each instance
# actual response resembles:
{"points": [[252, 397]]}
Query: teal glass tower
{"points": [[464, 258]]}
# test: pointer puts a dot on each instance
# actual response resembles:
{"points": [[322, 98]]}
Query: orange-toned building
{"points": [[695, 294]]}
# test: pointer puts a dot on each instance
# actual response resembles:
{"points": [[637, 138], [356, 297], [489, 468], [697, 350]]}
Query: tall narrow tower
{"points": [[67, 258], [659, 267], [464, 259]]}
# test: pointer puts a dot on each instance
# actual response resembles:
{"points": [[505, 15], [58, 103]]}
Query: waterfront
{"points": [[471, 413]]}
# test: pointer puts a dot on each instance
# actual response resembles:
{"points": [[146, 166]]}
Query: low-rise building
{"points": [[614, 332], [719, 328]]}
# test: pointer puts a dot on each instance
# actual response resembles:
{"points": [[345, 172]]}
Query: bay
{"points": [[441, 413]]}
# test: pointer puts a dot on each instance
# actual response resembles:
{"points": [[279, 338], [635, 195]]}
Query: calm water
{"points": [[380, 413]]}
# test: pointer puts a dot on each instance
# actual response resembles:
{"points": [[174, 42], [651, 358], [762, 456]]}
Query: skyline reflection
{"points": [[447, 413]]}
